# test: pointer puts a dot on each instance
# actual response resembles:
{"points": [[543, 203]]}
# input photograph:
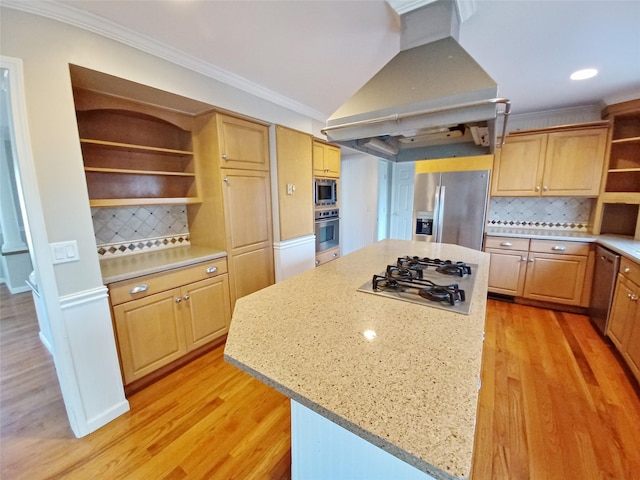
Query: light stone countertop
{"points": [[411, 391], [124, 267], [624, 245]]}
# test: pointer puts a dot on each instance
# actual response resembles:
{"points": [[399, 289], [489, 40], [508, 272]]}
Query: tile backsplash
{"points": [[562, 213], [134, 229]]}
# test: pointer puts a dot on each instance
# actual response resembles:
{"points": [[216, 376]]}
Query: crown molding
{"points": [[95, 24]]}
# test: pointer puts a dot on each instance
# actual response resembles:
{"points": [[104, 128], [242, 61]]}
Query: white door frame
{"points": [[36, 232]]}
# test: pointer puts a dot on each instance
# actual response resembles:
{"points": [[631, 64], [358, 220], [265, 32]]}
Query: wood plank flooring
{"points": [[555, 404]]}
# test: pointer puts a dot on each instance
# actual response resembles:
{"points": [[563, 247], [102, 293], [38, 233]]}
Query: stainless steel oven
{"points": [[327, 229]]}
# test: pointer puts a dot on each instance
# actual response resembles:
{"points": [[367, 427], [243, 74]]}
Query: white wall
{"points": [[359, 202]]}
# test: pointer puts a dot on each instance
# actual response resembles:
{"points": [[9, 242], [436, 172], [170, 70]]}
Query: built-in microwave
{"points": [[325, 192]]}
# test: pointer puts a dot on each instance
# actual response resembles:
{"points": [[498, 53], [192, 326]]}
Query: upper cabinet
{"points": [[243, 144], [326, 160], [619, 201], [135, 154], [563, 161]]}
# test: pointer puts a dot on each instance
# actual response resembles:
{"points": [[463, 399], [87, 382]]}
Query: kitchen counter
{"points": [[124, 267], [624, 245], [412, 390]]}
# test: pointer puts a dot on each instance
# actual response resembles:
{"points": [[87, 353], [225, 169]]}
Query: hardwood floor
{"points": [[555, 404]]}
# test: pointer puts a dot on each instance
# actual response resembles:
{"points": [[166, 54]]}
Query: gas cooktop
{"points": [[443, 284]]}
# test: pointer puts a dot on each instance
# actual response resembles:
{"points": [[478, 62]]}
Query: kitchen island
{"points": [[399, 377]]}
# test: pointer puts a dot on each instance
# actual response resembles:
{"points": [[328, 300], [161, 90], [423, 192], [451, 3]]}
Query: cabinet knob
{"points": [[531, 260], [225, 179], [317, 262], [632, 296], [186, 297], [506, 244], [545, 188], [335, 255], [524, 259], [626, 270], [537, 188], [211, 270], [178, 299], [139, 289], [224, 156], [559, 248]]}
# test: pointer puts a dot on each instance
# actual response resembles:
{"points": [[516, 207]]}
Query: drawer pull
{"points": [[211, 270], [139, 289], [506, 244], [632, 296], [626, 270], [559, 248]]}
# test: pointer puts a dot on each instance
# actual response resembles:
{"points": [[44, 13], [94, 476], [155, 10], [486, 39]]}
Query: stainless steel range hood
{"points": [[432, 100]]}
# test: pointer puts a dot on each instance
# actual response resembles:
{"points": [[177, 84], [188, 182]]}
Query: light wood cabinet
{"points": [[243, 144], [295, 183], [135, 153], [541, 270], [624, 320], [326, 160], [160, 318], [618, 208], [247, 210], [562, 162]]}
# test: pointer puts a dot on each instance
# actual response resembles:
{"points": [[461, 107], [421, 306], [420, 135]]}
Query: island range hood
{"points": [[432, 100]]}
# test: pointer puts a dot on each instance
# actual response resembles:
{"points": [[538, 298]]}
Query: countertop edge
{"points": [[397, 452], [198, 255]]}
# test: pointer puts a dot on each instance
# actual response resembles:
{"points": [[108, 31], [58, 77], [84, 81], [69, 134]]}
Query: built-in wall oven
{"points": [[325, 192], [327, 229]]}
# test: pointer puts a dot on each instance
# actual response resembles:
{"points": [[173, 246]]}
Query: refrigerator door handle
{"points": [[439, 213]]}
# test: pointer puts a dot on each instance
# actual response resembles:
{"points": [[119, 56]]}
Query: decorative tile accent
{"points": [[137, 228], [558, 213], [127, 248]]}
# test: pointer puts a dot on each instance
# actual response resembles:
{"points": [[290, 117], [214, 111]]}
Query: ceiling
{"points": [[313, 55]]}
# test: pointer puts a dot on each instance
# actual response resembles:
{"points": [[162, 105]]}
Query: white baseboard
{"points": [[22, 289], [45, 342]]}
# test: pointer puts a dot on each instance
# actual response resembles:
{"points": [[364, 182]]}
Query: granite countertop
{"points": [[412, 390], [624, 245], [124, 267]]}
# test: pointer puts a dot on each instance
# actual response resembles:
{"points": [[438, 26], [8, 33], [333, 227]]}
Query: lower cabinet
{"points": [[162, 317], [543, 270], [624, 320]]}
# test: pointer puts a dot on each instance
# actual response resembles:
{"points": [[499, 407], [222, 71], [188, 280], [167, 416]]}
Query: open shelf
{"points": [[141, 148], [127, 202], [138, 172]]}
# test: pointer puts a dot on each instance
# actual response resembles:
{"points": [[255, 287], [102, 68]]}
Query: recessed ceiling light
{"points": [[584, 74]]}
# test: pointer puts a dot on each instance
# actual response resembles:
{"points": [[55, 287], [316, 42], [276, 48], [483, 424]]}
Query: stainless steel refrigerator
{"points": [[451, 207]]}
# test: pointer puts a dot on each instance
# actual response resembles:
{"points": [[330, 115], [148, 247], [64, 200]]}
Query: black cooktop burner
{"points": [[446, 267], [424, 288]]}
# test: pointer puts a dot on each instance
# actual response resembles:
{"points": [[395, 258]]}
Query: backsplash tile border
{"points": [[139, 246], [544, 213]]}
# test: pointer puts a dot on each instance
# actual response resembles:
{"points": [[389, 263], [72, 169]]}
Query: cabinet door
{"points": [[247, 209], [555, 278], [150, 333], [518, 166], [206, 310], [318, 159], [243, 144], [332, 161], [295, 183], [507, 272], [574, 162], [247, 202], [623, 310], [632, 353]]}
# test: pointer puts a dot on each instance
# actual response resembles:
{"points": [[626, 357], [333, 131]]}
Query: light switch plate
{"points": [[64, 252]]}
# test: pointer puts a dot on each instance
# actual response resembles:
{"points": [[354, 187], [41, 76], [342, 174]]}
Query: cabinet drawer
{"points": [[140, 287], [560, 247], [630, 269], [507, 243]]}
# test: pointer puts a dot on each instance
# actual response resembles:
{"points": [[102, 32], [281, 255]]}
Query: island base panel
{"points": [[321, 449]]}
